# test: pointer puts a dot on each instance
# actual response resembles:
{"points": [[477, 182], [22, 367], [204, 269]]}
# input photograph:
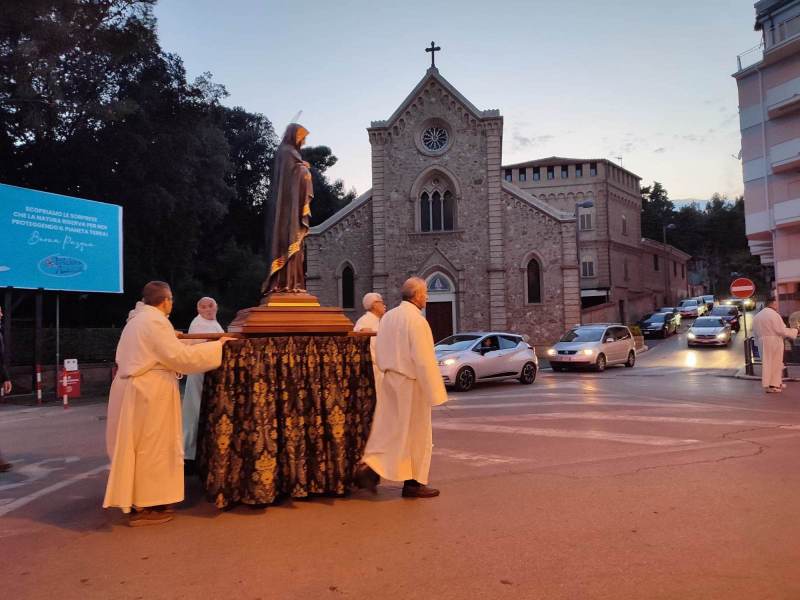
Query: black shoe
{"points": [[414, 489], [5, 466], [367, 479]]}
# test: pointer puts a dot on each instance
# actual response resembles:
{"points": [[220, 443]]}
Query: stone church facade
{"points": [[494, 256]]}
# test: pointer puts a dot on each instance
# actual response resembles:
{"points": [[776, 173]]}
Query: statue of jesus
{"points": [[287, 215]]}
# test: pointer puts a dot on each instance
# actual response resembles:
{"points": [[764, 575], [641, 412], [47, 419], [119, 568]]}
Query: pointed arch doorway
{"points": [[440, 311]]}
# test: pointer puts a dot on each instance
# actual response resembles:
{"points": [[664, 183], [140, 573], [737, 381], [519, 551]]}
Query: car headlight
{"points": [[721, 336], [551, 352], [690, 335], [447, 362], [588, 351]]}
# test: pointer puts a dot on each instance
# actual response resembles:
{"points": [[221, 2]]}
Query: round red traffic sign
{"points": [[742, 287]]}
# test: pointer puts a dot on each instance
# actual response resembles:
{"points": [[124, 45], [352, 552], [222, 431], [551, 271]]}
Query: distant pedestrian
{"points": [[400, 442], [770, 332], [370, 321], [204, 322], [5, 385]]}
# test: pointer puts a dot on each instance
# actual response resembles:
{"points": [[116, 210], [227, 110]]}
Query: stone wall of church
{"points": [[530, 233], [347, 242]]}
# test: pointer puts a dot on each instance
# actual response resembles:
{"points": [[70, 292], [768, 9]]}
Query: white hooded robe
{"points": [[369, 320], [193, 392], [400, 442], [769, 331], [143, 430]]}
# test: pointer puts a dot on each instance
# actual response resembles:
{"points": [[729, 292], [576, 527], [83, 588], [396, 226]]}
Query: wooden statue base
{"points": [[290, 313]]}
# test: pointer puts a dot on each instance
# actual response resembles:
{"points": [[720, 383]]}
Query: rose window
{"points": [[434, 138]]}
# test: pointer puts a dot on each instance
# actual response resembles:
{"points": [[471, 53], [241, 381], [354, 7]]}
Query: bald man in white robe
{"points": [[770, 332], [400, 443]]}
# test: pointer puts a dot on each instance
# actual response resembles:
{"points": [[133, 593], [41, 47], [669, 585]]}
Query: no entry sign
{"points": [[742, 287]]}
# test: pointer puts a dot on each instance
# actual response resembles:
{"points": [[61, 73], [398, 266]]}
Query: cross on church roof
{"points": [[433, 50]]}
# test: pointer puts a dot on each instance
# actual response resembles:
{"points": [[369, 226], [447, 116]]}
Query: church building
{"points": [[495, 257]]}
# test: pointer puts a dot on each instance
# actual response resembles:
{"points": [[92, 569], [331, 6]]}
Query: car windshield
{"points": [[457, 342], [655, 317], [583, 334], [708, 322], [708, 298], [666, 309], [723, 311], [688, 303]]}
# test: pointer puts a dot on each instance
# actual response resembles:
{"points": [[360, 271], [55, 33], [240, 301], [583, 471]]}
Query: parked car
{"points": [[709, 331], [730, 314], [675, 313], [740, 303], [467, 358], [691, 307], [596, 345], [709, 301], [658, 323]]}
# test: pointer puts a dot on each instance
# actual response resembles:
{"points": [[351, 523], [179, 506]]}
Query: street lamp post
{"points": [[584, 204], [667, 295]]}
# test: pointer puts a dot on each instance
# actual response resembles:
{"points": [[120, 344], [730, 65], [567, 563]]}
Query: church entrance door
{"points": [[440, 318]]}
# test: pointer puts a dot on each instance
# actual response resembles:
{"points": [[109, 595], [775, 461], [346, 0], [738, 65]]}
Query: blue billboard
{"points": [[58, 242]]}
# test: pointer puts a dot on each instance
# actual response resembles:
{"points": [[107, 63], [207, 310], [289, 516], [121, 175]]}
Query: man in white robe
{"points": [[143, 431], [400, 442], [770, 331], [370, 321], [204, 322]]}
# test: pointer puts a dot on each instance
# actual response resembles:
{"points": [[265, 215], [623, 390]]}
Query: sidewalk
{"points": [[794, 373]]}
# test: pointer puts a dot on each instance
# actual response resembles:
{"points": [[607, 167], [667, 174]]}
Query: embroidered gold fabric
{"points": [[285, 416]]}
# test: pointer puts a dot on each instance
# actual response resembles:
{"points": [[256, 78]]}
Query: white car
{"points": [[709, 331], [692, 307], [466, 358]]}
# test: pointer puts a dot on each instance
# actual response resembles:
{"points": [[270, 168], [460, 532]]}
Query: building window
{"points": [[683, 271], [536, 173], [674, 269], [534, 282], [624, 225], [592, 169], [655, 262], [551, 172], [578, 170], [585, 221], [522, 175], [564, 171], [436, 211], [587, 267], [348, 284], [625, 269], [508, 175]]}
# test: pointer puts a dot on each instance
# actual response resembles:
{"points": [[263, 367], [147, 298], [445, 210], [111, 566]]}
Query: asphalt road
{"points": [[668, 480]]}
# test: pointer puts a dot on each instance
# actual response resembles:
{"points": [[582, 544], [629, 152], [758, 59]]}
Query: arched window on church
{"points": [[348, 285], [534, 282], [437, 211]]}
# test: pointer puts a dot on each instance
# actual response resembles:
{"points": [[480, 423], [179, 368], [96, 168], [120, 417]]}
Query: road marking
{"points": [[479, 460], [599, 416], [20, 502], [605, 436], [588, 403], [36, 471]]}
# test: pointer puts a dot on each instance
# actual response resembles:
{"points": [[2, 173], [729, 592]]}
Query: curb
{"points": [[740, 374]]}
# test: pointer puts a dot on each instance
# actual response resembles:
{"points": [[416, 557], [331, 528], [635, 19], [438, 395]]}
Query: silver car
{"points": [[466, 358], [597, 346], [709, 331]]}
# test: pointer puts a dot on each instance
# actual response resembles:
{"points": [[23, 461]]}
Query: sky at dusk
{"points": [[646, 80]]}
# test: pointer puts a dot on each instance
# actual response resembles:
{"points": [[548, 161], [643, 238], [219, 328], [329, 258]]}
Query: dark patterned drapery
{"points": [[285, 416]]}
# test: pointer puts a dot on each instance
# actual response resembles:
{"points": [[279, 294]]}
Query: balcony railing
{"points": [[750, 57], [784, 31]]}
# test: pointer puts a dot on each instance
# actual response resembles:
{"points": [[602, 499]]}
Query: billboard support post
{"points": [[58, 337], [37, 346]]}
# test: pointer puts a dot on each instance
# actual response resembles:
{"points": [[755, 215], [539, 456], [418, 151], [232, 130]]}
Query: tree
{"points": [[657, 210], [328, 197]]}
